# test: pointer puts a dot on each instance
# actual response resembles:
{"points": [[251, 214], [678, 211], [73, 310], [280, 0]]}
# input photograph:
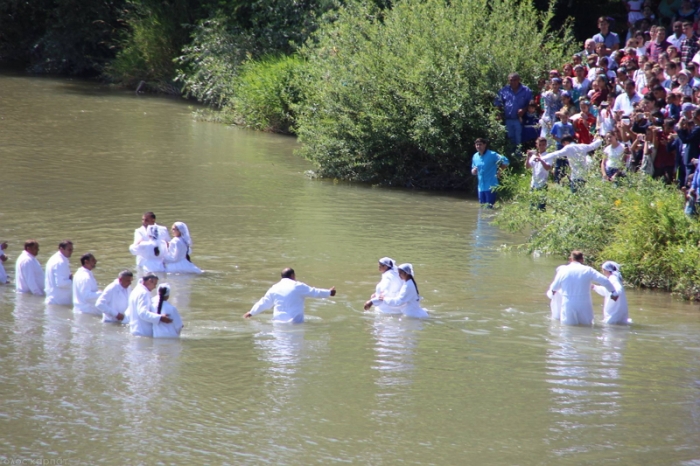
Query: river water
{"points": [[487, 380]]}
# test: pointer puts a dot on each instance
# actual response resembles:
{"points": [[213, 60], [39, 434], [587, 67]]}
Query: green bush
{"points": [[266, 93], [638, 222], [398, 96]]}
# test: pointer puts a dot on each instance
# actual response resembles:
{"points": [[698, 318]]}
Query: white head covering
{"points": [[185, 235], [167, 289], [408, 268], [612, 267], [152, 231], [388, 261]]}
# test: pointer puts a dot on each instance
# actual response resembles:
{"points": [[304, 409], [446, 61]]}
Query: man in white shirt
{"points": [[287, 297], [85, 292], [141, 234], [29, 277], [141, 312], [58, 278], [677, 37], [578, 157], [115, 298], [574, 282], [624, 103]]}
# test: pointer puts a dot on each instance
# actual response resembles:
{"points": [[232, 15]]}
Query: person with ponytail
{"points": [[177, 257], [614, 312], [408, 299], [160, 302], [389, 286]]}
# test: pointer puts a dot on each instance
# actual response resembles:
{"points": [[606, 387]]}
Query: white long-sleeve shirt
{"points": [[574, 282], [85, 292], [113, 301], [163, 330], [614, 312], [389, 287], [408, 301], [141, 234], [141, 313], [176, 258], [287, 297], [577, 154], [29, 276], [146, 256], [59, 286]]}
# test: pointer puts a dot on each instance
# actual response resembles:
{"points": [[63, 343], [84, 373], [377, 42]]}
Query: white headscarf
{"points": [[612, 267], [408, 268], [387, 261], [166, 287], [185, 235], [152, 232]]}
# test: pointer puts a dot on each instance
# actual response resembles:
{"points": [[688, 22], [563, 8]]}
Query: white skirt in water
{"points": [[182, 266]]}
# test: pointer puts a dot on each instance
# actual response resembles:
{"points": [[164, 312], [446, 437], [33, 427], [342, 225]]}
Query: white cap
{"points": [[408, 268], [388, 261], [152, 231]]}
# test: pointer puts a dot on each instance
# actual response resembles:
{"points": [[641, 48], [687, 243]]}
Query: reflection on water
{"points": [[486, 380], [583, 367]]}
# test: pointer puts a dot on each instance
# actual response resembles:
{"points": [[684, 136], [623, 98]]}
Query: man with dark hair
{"points": [[606, 36], [58, 278], [85, 292], [689, 45], [141, 312], [577, 155], [141, 234], [287, 297], [115, 298], [29, 277], [485, 165], [574, 282]]}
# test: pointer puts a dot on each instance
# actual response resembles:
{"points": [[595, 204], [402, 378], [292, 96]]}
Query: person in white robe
{"points": [[160, 302], [141, 312], [577, 155], [58, 279], [85, 289], [151, 251], [614, 312], [287, 298], [555, 299], [408, 300], [29, 276], [177, 258], [389, 286], [141, 234], [115, 298], [574, 282], [3, 258]]}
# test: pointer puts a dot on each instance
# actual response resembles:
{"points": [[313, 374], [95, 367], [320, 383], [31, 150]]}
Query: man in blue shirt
{"points": [[513, 101], [485, 164], [607, 37]]}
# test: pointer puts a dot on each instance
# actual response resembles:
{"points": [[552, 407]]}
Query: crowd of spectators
{"points": [[641, 96]]}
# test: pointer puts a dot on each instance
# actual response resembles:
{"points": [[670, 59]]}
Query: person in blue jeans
{"points": [[513, 100], [485, 165]]}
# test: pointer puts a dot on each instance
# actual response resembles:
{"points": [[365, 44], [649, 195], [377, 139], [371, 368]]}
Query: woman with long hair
{"points": [[614, 312], [408, 298], [160, 302]]}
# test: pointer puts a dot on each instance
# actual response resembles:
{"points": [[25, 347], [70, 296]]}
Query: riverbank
{"points": [[638, 222]]}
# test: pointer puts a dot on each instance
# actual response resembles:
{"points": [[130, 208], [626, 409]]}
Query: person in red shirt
{"points": [[583, 123]]}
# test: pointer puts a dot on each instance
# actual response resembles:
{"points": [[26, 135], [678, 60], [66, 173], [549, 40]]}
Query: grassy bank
{"points": [[638, 222]]}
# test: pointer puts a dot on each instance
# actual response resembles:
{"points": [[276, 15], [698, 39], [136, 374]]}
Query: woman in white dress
{"points": [[408, 298], [177, 259], [160, 302], [152, 250], [614, 312], [389, 286]]}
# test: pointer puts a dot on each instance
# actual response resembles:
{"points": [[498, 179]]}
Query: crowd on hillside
{"points": [[639, 94]]}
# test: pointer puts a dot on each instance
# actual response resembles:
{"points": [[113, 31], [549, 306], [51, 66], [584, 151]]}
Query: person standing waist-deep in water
{"points": [[408, 298], [287, 298], [389, 286]]}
